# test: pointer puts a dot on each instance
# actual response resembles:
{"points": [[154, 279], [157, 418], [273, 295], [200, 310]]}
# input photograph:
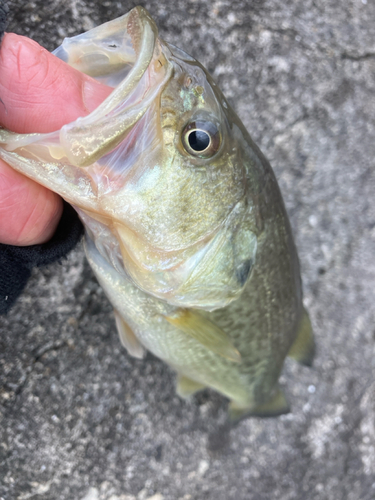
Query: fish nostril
{"points": [[243, 271]]}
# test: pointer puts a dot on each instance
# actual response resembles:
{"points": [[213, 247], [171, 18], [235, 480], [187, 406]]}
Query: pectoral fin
{"points": [[128, 338], [206, 332], [303, 348]]}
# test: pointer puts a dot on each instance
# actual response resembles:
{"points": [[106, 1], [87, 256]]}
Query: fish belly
{"points": [[247, 384]]}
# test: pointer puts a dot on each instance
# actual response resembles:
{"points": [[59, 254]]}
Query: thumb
{"points": [[39, 93]]}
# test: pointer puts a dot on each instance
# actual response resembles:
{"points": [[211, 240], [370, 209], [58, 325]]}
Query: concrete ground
{"points": [[81, 420]]}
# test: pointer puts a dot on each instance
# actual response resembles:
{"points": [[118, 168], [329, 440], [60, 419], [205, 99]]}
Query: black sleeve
{"points": [[16, 262]]}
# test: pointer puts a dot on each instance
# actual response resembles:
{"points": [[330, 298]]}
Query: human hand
{"points": [[39, 93]]}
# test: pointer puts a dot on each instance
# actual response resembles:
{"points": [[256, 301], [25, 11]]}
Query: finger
{"points": [[41, 93], [29, 213]]}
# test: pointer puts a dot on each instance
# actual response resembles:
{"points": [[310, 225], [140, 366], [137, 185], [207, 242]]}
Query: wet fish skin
{"points": [[194, 250]]}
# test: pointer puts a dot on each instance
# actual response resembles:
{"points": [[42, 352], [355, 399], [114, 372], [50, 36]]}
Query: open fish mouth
{"points": [[127, 56], [132, 60]]}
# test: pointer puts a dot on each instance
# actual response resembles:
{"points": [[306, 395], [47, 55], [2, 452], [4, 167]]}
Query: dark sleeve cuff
{"points": [[16, 262]]}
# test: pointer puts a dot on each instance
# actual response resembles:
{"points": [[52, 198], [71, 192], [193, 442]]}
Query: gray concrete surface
{"points": [[80, 420]]}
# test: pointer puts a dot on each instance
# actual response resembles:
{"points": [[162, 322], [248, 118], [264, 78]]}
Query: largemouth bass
{"points": [[186, 229]]}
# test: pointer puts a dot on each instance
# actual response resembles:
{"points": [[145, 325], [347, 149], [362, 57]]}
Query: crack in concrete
{"points": [[358, 57], [18, 388]]}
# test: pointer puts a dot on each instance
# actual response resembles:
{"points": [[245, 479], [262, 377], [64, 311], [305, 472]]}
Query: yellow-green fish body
{"points": [[186, 229]]}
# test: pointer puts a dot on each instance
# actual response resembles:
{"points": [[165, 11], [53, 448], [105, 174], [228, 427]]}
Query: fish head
{"points": [[183, 213], [168, 173]]}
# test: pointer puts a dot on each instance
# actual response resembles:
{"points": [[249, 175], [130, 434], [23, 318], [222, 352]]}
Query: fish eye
{"points": [[201, 139]]}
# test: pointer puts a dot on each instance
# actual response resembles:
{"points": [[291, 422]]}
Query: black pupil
{"points": [[199, 140]]}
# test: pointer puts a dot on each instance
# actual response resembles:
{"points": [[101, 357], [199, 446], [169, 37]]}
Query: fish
{"points": [[185, 225]]}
